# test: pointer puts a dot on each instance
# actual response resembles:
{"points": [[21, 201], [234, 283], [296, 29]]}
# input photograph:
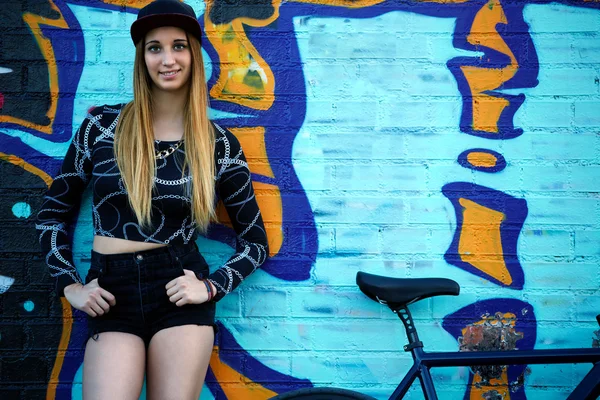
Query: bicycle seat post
{"points": [[411, 332]]}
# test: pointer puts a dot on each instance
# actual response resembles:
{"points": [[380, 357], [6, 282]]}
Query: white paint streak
{"points": [[5, 283]]}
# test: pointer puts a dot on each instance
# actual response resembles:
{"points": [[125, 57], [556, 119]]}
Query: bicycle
{"points": [[397, 294]]}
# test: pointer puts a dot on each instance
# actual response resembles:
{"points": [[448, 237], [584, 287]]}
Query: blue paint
{"points": [[21, 210]]}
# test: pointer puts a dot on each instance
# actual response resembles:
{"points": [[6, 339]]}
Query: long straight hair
{"points": [[134, 142]]}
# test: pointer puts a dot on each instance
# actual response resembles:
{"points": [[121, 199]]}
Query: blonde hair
{"points": [[134, 142]]}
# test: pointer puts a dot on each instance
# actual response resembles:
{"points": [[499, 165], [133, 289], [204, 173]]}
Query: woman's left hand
{"points": [[187, 289]]}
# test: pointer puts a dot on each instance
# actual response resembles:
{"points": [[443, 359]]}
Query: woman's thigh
{"points": [[178, 359], [114, 366]]}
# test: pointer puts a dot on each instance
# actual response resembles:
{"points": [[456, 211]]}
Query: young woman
{"points": [[157, 166]]}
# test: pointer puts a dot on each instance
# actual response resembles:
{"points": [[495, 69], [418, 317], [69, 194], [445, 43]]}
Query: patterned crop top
{"points": [[90, 157]]}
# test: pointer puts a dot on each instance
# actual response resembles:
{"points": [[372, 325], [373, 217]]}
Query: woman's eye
{"points": [[180, 46], [153, 49]]}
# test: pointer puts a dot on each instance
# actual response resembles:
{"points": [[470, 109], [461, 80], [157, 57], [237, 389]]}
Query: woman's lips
{"points": [[170, 74]]}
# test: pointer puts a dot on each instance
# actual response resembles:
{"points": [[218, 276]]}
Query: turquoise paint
{"points": [[29, 306], [21, 210]]}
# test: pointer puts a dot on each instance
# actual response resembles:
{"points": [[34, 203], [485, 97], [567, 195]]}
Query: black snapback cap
{"points": [[165, 13]]}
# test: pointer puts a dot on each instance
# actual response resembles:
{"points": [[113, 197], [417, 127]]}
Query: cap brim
{"points": [[142, 26]]}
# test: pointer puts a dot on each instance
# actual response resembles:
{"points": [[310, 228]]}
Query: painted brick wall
{"points": [[401, 138]]}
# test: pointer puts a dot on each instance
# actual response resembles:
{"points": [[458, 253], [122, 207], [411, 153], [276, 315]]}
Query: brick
{"points": [[552, 307], [549, 375], [418, 114], [229, 306], [587, 113], [265, 303], [552, 147], [429, 210], [549, 114], [558, 82], [99, 79], [583, 178], [571, 276], [286, 336], [586, 50], [342, 270], [364, 240], [552, 49], [315, 176], [404, 177], [545, 243], [359, 209], [586, 307], [397, 240], [320, 368], [112, 49], [546, 178], [544, 210], [558, 18], [587, 243]]}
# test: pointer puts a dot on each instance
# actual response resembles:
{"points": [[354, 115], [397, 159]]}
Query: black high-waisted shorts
{"points": [[138, 280]]}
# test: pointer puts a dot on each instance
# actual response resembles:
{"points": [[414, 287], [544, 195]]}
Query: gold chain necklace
{"points": [[166, 153]]}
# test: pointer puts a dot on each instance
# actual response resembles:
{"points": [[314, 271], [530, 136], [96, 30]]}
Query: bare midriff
{"points": [[108, 245]]}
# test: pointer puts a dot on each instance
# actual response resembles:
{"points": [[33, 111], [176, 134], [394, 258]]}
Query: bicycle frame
{"points": [[588, 388]]}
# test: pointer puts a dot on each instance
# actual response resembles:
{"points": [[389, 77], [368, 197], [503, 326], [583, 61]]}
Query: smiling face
{"points": [[168, 58]]}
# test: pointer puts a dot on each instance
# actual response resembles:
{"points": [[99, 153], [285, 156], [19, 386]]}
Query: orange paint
{"points": [[483, 160], [268, 198], [34, 22], [19, 162], [487, 109], [245, 78], [62, 348], [234, 384], [253, 142], [480, 242], [129, 3]]}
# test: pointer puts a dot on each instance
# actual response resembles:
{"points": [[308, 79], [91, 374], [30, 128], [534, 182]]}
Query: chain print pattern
{"points": [[90, 158]]}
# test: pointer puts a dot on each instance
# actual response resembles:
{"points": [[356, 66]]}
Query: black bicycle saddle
{"points": [[400, 292]]}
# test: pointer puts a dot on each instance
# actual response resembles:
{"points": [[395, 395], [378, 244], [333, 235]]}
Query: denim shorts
{"points": [[138, 280]]}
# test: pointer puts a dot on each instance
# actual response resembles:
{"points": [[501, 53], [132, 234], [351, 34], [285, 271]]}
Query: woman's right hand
{"points": [[90, 298]]}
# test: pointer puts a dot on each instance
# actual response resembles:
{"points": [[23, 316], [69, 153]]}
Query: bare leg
{"points": [[113, 367], [178, 359]]}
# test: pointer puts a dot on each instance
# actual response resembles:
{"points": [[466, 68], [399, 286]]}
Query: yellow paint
{"points": [[34, 22], [253, 142], [19, 162], [343, 3], [484, 160], [477, 389], [239, 387], [245, 78], [128, 3], [488, 109], [268, 198], [62, 348], [480, 242]]}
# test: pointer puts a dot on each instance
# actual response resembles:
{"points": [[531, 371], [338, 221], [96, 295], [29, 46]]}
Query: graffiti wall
{"points": [[407, 138]]}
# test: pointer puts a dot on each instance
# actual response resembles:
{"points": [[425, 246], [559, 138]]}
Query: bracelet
{"points": [[208, 289]]}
